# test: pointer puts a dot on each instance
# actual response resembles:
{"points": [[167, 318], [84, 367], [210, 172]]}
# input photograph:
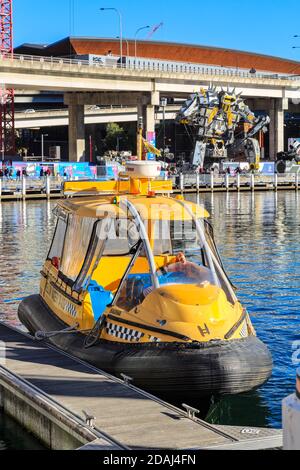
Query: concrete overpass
{"points": [[60, 117], [94, 84]]}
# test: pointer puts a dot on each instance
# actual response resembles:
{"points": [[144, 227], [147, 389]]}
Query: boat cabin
{"points": [[123, 248]]}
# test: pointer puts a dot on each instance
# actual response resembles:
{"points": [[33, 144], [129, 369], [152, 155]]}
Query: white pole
{"points": [[227, 182], [24, 187], [212, 180], [238, 181], [198, 182], [48, 186], [121, 37], [120, 27], [181, 182], [252, 181], [275, 181], [297, 181], [291, 419], [135, 39], [42, 147]]}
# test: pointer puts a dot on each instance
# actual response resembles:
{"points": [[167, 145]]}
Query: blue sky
{"points": [[265, 26]]}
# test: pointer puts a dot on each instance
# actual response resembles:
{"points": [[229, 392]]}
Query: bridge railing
{"points": [[146, 64]]}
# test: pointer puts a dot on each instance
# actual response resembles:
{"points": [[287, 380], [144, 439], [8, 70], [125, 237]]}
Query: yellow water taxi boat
{"points": [[133, 283]]}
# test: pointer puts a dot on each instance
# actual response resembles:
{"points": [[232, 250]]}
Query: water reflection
{"points": [[13, 437], [258, 235], [25, 233]]}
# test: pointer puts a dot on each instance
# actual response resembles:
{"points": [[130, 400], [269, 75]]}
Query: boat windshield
{"points": [[195, 256], [130, 257], [191, 260]]}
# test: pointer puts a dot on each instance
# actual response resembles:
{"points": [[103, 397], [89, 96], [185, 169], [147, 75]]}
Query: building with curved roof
{"points": [[167, 51]]}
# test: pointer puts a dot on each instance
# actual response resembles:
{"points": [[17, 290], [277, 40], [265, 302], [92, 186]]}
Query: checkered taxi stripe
{"points": [[69, 308], [244, 330], [123, 333], [153, 339]]}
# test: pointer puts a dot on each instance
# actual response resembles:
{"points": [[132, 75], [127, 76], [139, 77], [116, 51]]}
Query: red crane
{"points": [[7, 101]]}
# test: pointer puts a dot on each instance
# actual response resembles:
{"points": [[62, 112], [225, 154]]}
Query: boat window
{"points": [[94, 253], [180, 238], [123, 235], [209, 233], [77, 241], [176, 236], [225, 281], [57, 245], [137, 282]]}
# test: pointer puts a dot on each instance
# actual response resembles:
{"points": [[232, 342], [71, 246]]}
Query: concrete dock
{"points": [[69, 404]]}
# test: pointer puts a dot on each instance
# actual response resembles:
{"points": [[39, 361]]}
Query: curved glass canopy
{"points": [[132, 256]]}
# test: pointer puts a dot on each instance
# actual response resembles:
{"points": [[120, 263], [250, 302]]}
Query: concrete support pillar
{"points": [[76, 133], [276, 128], [150, 119], [147, 112]]}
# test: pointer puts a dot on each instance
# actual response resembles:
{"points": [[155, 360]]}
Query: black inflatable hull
{"points": [[180, 370]]}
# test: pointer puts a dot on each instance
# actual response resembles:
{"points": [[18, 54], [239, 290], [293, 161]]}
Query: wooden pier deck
{"points": [[122, 416]]}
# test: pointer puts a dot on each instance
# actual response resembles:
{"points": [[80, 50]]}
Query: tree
{"points": [[115, 134]]}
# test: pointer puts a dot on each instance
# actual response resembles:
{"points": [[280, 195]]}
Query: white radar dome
{"points": [[143, 169]]}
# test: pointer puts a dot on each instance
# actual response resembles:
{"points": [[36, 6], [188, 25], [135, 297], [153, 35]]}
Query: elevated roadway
{"points": [[60, 117], [94, 84]]}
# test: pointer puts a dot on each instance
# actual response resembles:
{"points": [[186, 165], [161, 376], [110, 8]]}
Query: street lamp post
{"points": [[135, 38], [91, 148], [3, 102], [42, 143], [120, 26], [127, 44], [118, 143], [296, 36], [163, 104]]}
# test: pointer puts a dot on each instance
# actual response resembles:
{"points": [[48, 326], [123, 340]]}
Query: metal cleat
{"points": [[127, 379], [89, 419], [191, 412]]}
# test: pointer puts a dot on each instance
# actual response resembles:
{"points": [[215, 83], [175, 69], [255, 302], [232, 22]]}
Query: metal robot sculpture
{"points": [[289, 160], [213, 117]]}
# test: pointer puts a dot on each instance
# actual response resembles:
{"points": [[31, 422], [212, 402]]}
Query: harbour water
{"points": [[13, 437], [258, 236]]}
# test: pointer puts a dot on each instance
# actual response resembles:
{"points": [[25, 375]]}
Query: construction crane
{"points": [[7, 97], [154, 29]]}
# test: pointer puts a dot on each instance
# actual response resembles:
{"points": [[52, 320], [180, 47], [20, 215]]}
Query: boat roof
{"points": [[149, 208]]}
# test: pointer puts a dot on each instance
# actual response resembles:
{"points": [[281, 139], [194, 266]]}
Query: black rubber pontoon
{"points": [[179, 370]]}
